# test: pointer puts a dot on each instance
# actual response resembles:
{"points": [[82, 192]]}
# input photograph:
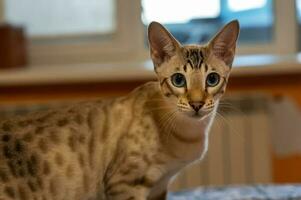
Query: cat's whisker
{"points": [[171, 125], [225, 102], [157, 99], [166, 125], [232, 128], [174, 124], [166, 115], [233, 108], [218, 122], [159, 108], [166, 120], [228, 105]]}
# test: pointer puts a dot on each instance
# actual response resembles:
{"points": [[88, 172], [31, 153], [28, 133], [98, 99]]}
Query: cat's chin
{"points": [[197, 115]]}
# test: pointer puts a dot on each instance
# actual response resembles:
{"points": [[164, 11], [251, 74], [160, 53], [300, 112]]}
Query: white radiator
{"points": [[239, 147]]}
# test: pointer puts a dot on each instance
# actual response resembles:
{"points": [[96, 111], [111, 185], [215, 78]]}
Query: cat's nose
{"points": [[196, 105]]}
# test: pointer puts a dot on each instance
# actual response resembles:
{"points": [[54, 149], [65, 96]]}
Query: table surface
{"points": [[254, 192]]}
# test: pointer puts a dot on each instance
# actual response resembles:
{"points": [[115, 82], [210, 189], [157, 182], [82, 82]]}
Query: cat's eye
{"points": [[178, 80], [212, 79]]}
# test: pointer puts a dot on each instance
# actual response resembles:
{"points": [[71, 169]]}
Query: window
{"points": [[62, 17], [238, 5], [170, 9], [77, 31], [298, 6], [73, 31], [256, 19], [200, 19]]}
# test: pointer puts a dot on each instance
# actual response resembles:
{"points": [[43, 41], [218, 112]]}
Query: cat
{"points": [[128, 148]]}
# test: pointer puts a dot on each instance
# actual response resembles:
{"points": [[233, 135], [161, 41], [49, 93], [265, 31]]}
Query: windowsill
{"points": [[249, 65], [255, 65]]}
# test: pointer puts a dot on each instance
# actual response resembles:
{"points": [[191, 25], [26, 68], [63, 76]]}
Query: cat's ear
{"points": [[224, 43], [162, 44]]}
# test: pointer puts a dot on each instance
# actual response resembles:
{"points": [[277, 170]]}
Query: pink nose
{"points": [[196, 105]]}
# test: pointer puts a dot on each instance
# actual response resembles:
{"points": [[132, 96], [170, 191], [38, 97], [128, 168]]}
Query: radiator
{"points": [[239, 147], [239, 144]]}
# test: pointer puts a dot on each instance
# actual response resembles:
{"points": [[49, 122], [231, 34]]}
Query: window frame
{"points": [[96, 48], [128, 44], [2, 11], [283, 42]]}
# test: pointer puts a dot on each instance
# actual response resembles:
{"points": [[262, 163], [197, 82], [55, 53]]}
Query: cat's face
{"points": [[194, 77]]}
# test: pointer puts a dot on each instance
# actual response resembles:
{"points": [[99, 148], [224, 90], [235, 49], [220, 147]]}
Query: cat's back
{"points": [[39, 149], [54, 154]]}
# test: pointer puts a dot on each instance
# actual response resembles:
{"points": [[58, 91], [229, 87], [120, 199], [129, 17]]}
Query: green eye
{"points": [[178, 80], [212, 79]]}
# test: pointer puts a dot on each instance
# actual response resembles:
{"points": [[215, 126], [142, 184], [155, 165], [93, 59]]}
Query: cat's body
{"points": [[123, 149], [86, 150]]}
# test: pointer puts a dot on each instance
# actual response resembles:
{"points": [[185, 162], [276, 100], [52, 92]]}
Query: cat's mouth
{"points": [[200, 114]]}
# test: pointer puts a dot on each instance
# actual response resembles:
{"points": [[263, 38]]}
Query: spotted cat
{"points": [[128, 148]]}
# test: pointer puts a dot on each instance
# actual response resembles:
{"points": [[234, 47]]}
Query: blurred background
{"points": [[60, 51]]}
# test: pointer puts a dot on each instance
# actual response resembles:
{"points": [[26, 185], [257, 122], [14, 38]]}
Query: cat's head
{"points": [[193, 77]]}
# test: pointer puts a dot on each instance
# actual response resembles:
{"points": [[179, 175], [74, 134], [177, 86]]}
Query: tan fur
{"points": [[123, 149]]}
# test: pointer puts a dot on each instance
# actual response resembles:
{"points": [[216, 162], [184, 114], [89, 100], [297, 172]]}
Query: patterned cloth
{"points": [[256, 192]]}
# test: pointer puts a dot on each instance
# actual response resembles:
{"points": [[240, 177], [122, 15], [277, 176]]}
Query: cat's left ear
{"points": [[162, 44], [223, 45]]}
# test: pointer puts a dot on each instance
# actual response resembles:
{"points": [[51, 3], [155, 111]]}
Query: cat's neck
{"points": [[170, 120], [184, 135]]}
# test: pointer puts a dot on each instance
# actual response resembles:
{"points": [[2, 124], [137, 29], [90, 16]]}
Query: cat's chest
{"points": [[185, 147]]}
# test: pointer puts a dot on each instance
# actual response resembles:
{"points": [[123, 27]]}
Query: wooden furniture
{"points": [[13, 47]]}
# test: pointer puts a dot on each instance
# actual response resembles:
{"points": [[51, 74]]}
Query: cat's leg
{"points": [[162, 196], [128, 192], [159, 191]]}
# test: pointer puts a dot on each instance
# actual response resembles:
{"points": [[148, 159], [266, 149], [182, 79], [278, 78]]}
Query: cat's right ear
{"points": [[223, 45], [162, 44]]}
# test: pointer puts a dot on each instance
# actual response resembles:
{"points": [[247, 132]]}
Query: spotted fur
{"points": [[127, 148]]}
